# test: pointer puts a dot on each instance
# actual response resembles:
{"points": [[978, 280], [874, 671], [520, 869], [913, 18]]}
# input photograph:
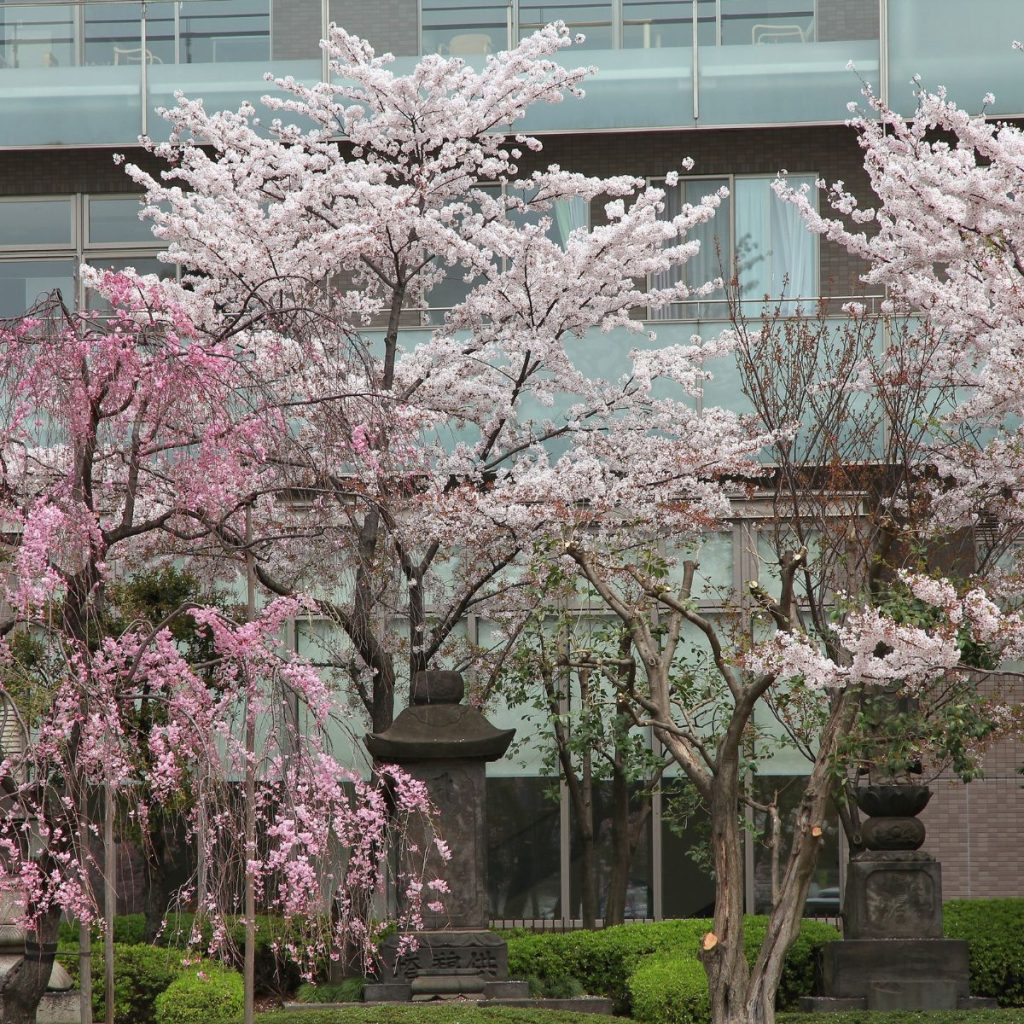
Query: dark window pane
{"points": [[523, 878], [823, 896], [688, 887], [639, 897]]}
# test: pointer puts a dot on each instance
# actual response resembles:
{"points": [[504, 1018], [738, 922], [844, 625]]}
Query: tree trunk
{"points": [[26, 982], [622, 851], [722, 949]]}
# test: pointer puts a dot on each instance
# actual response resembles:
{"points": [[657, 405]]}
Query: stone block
{"points": [[447, 952], [59, 1008], [977, 1003], [387, 992], [913, 994], [849, 967], [828, 1004], [506, 990], [893, 895]]}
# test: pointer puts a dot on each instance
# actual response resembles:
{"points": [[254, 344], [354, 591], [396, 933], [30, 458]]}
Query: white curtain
{"points": [[568, 215], [714, 258], [775, 253]]}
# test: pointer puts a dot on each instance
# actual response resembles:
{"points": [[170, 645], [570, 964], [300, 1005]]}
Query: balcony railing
{"points": [[92, 73]]}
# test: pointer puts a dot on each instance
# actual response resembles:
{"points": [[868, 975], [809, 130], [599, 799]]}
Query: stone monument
{"points": [[893, 955], [446, 744], [60, 1003]]}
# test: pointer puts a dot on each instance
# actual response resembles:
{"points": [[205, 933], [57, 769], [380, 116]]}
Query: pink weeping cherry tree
{"points": [[118, 432]]}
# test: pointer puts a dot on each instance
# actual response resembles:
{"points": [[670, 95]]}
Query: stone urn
{"points": [[892, 810]]}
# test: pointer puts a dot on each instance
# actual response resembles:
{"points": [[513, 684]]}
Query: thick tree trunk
{"points": [[622, 851], [722, 949], [25, 984]]}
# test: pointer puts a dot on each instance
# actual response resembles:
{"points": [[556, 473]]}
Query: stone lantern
{"points": [[446, 744]]}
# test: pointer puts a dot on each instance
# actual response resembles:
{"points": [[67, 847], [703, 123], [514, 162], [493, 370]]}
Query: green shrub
{"points": [[994, 931], [670, 988], [555, 988], [348, 991], [274, 974], [426, 1013], [604, 961], [141, 973], [216, 997]]}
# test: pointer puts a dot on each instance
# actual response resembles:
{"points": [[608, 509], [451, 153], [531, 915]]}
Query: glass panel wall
{"points": [[688, 886], [968, 49]]}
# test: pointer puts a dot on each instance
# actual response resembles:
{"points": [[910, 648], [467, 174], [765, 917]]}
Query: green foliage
{"points": [[425, 1013], [606, 962], [141, 973], [555, 988], [274, 975], [216, 997], [348, 991], [904, 1017], [670, 988], [994, 931], [128, 928]]}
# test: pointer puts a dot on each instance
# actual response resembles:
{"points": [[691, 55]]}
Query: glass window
{"points": [[116, 219], [639, 895], [220, 31], [775, 253], [766, 22], [656, 23], [714, 258], [688, 885], [593, 19], [823, 896], [466, 28], [113, 34], [24, 282], [40, 36], [523, 859], [31, 223]]}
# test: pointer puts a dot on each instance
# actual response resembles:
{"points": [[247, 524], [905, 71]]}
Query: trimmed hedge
{"points": [[216, 997], [904, 1017], [670, 988], [348, 991], [994, 930], [141, 973], [605, 961], [274, 974], [426, 1013]]}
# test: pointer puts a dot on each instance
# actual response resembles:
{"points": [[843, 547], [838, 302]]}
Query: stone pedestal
{"points": [[893, 955], [446, 744], [893, 894]]}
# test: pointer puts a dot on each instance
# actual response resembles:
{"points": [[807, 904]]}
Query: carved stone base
{"points": [[892, 974], [893, 895], [457, 953]]}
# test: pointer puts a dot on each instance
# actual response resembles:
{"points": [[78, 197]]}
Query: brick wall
{"points": [[846, 19], [389, 25]]}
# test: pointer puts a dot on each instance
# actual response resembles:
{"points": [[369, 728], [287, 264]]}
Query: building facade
{"points": [[745, 88]]}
